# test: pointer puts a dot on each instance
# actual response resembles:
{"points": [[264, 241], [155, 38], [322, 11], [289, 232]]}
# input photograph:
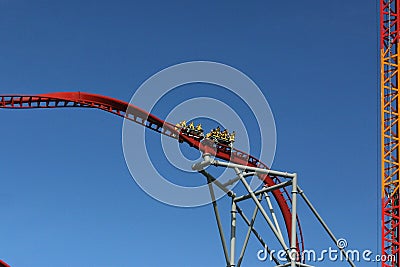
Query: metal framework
{"points": [[389, 49], [293, 254]]}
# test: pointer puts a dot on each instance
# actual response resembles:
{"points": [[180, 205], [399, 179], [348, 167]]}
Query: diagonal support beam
{"points": [[324, 225], [271, 209], [246, 240], [218, 218], [256, 234], [266, 217]]}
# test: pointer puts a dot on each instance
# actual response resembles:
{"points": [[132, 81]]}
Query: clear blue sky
{"points": [[67, 196]]}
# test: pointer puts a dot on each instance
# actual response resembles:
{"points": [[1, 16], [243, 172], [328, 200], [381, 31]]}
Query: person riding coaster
{"points": [[221, 137], [190, 130], [216, 135]]}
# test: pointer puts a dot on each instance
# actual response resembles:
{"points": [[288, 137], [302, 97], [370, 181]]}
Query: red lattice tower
{"points": [[389, 48]]}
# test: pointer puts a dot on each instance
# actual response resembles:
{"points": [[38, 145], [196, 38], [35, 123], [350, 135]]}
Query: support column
{"points": [[233, 233], [293, 243]]}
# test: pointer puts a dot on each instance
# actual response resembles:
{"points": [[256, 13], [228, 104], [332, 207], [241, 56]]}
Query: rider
{"points": [[224, 135], [198, 128], [232, 137]]}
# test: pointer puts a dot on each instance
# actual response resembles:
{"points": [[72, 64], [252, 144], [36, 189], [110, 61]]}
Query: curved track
{"points": [[137, 115]]}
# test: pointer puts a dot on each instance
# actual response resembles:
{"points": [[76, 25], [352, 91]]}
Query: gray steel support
{"points": [[233, 233], [217, 183], [271, 209], [293, 245], [265, 189], [218, 218], [246, 240], [324, 225], [210, 180], [253, 169], [234, 180], [240, 170], [256, 234], [205, 163], [276, 233]]}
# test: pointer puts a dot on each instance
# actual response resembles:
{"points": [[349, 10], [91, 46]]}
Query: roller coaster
{"points": [[218, 143]]}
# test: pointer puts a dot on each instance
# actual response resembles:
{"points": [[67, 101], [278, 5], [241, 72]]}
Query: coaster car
{"points": [[221, 137], [190, 130]]}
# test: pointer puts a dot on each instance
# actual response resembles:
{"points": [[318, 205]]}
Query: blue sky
{"points": [[67, 195]]}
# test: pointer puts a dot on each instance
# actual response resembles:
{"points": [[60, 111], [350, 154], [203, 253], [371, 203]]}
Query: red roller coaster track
{"points": [[137, 115]]}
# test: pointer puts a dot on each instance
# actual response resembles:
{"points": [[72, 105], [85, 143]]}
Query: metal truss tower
{"points": [[389, 49], [293, 252]]}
